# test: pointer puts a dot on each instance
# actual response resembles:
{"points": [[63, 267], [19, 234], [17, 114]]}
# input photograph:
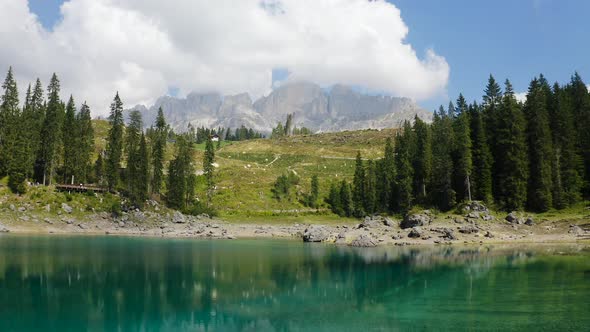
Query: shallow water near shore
{"points": [[101, 283]]}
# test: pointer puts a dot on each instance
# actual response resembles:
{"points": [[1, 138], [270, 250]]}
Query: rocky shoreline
{"points": [[476, 226]]}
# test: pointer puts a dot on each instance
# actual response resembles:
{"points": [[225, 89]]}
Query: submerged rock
{"points": [[415, 220]]}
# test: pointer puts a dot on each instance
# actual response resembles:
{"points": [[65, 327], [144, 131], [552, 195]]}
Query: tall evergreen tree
{"points": [[482, 157], [567, 163], [442, 192], [403, 169], [70, 134], [142, 178], [158, 147], [334, 200], [580, 99], [462, 151], [512, 166], [32, 120], [84, 143], [51, 132], [370, 188], [114, 149], [492, 101], [386, 177], [180, 170], [358, 187], [540, 148], [35, 127], [314, 192], [133, 174], [422, 159], [208, 168], [346, 199]]}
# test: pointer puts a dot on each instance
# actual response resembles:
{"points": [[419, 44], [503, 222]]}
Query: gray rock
{"points": [[388, 222], [12, 207], [397, 237], [488, 217], [489, 235], [513, 218], [24, 218], [22, 209], [4, 229], [69, 221], [82, 226], [416, 232], [473, 215], [529, 221], [48, 208], [315, 234], [363, 240], [121, 224], [49, 221], [66, 208], [178, 218], [468, 229], [576, 230], [415, 220], [371, 222]]}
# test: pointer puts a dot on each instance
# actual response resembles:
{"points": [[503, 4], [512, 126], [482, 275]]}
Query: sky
{"points": [[428, 50]]}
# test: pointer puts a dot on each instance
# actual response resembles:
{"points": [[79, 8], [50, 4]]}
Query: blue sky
{"points": [[515, 39]]}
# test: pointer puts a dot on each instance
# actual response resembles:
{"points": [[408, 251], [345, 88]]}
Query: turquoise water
{"points": [[53, 283]]}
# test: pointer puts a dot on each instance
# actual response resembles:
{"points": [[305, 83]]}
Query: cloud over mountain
{"points": [[143, 47]]}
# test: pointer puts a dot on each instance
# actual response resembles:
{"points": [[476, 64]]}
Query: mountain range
{"points": [[321, 110]]}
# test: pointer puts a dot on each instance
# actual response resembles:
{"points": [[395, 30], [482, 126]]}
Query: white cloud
{"points": [[142, 47], [520, 96]]}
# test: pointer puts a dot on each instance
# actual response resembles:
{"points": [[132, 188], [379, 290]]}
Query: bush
{"points": [[198, 208], [116, 209]]}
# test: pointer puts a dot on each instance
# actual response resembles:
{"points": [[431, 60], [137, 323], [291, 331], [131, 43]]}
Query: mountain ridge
{"points": [[321, 110]]}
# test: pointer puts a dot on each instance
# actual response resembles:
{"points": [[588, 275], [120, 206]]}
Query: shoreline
{"points": [[368, 233]]}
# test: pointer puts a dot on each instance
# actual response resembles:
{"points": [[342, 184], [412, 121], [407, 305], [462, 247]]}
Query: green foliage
{"points": [[443, 195], [179, 172], [422, 159], [312, 198], [114, 150], [158, 147], [209, 168], [370, 188], [481, 182], [462, 159], [358, 187], [282, 186], [404, 145]]}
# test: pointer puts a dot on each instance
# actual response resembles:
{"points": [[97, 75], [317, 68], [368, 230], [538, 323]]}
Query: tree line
{"points": [[48, 141], [532, 155]]}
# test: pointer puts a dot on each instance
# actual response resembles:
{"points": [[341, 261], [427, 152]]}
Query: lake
{"points": [[101, 283]]}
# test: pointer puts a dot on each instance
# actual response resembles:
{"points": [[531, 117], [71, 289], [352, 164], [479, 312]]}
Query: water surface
{"points": [[56, 283]]}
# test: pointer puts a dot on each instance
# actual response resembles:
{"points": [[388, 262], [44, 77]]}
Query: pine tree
{"points": [[580, 99], [84, 142], [358, 187], [142, 177], [370, 188], [14, 145], [442, 192], [159, 145], [386, 182], [70, 134], [346, 199], [99, 169], [314, 192], [512, 166], [35, 128], [334, 200], [208, 168], [567, 163], [51, 132], [492, 101], [540, 148], [422, 159], [179, 170], [133, 174], [463, 162], [114, 149], [403, 169], [482, 157]]}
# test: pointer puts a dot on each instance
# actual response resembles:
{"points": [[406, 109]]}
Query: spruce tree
{"points": [[180, 170], [567, 163], [133, 174], [482, 158], [580, 99], [387, 181], [114, 150], [84, 142], [358, 187], [512, 165], [346, 199], [442, 192], [463, 161], [142, 177], [37, 109], [403, 169], [158, 148], [539, 197], [70, 135], [334, 200], [422, 159], [370, 188], [208, 168], [51, 132], [492, 101], [99, 176], [314, 192]]}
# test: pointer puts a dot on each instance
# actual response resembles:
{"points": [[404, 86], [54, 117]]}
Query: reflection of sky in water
{"points": [[111, 283]]}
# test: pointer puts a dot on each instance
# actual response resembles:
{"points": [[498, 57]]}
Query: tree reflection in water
{"points": [[114, 283]]}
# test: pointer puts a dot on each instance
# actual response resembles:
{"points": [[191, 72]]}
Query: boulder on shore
{"points": [[4, 229], [416, 232], [513, 218], [315, 234], [363, 240], [66, 208], [415, 220]]}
